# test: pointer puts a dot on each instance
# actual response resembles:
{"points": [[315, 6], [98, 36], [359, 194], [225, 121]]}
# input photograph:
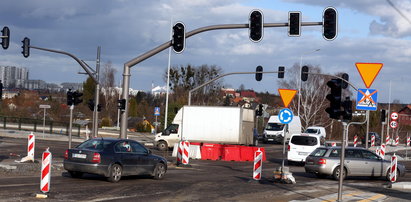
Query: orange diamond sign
{"points": [[287, 95], [368, 72]]}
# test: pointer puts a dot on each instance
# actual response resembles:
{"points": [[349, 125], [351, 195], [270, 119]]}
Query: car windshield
{"points": [[304, 140], [94, 144], [274, 126], [319, 152], [311, 130]]}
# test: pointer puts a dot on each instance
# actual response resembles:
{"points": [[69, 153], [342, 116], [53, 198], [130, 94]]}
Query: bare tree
{"points": [[108, 84], [313, 96]]}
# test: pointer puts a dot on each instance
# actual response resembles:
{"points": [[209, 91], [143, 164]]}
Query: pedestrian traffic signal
{"points": [[344, 81], [304, 73], [1, 90], [69, 97], [334, 97], [99, 107], [383, 115], [330, 23], [77, 98], [121, 104], [258, 73], [256, 26], [5, 40], [281, 71], [294, 23], [347, 112], [179, 37], [26, 47], [91, 104]]}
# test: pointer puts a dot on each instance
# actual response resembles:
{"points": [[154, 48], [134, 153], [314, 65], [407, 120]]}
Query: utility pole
{"points": [[97, 94]]}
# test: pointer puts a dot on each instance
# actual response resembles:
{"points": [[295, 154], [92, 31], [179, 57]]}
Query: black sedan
{"points": [[113, 158]]}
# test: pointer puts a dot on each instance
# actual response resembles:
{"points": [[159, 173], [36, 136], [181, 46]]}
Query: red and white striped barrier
{"points": [[372, 140], [258, 164], [393, 169], [408, 141], [30, 148], [333, 144], [183, 153], [387, 140], [355, 141], [45, 171], [382, 151], [397, 140]]}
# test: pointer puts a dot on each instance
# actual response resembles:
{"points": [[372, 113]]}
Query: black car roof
{"points": [[110, 139]]}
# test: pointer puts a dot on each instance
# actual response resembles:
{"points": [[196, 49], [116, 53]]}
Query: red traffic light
{"points": [[256, 25]]}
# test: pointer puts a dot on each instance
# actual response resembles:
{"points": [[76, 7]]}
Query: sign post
{"points": [[44, 115], [156, 114]]}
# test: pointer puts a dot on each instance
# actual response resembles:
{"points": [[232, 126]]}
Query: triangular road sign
{"points": [[368, 72], [287, 95]]}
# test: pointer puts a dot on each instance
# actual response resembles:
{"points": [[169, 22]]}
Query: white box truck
{"points": [[209, 124], [275, 131]]}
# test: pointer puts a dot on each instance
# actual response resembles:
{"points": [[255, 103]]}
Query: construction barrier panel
{"points": [[247, 153], [231, 153], [195, 150], [211, 151]]}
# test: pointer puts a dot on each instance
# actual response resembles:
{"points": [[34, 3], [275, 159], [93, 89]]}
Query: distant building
{"points": [[13, 77], [72, 86], [158, 90], [405, 115]]}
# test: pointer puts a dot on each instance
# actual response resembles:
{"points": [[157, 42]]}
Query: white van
{"points": [[301, 145], [318, 130], [274, 131]]}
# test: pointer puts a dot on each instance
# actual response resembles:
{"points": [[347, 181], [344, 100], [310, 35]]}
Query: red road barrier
{"points": [[258, 164], [211, 151], [231, 153]]}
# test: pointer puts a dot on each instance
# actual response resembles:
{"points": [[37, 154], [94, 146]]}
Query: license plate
{"points": [[302, 153], [270, 139], [80, 156]]}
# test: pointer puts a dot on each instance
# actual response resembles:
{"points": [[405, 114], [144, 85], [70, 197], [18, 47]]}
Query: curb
{"points": [[401, 185]]}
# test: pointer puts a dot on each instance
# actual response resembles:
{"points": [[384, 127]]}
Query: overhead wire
{"points": [[399, 11]]}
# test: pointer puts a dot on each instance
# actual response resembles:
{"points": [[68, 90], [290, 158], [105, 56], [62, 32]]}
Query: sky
{"points": [[369, 31]]}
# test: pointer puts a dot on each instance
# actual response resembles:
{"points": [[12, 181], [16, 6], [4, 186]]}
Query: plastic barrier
{"points": [[397, 140], [382, 151], [372, 140], [185, 149], [195, 150], [387, 140], [262, 150], [355, 141], [247, 153], [408, 141], [45, 171], [258, 164], [231, 153], [211, 151], [333, 144], [393, 169]]}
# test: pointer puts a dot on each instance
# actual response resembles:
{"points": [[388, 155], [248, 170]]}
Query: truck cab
{"points": [[171, 135], [275, 131]]}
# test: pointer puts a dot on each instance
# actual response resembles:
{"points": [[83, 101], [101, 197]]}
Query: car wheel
{"points": [[159, 171], [115, 173], [162, 146], [75, 174], [388, 174], [337, 173]]}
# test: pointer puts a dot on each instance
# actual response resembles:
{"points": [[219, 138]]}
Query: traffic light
{"points": [[69, 97], [294, 23], [91, 104], [344, 83], [6, 37], [99, 106], [1, 90], [347, 106], [179, 37], [258, 73], [259, 111], [256, 25], [304, 73], [121, 104], [281, 71], [330, 23], [26, 47], [77, 98], [334, 97], [383, 115]]}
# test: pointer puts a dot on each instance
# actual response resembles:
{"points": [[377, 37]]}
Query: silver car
{"points": [[325, 161]]}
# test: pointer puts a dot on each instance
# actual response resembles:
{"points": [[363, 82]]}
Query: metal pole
{"points": [[367, 114], [389, 112], [44, 120], [148, 54], [168, 77], [282, 163], [382, 133], [97, 94], [71, 124], [299, 79], [342, 158]]}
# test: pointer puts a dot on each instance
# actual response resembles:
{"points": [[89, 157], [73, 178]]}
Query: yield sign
{"points": [[287, 95], [368, 72]]}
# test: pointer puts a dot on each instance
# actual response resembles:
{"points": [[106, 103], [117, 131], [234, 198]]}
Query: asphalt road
{"points": [[204, 181]]}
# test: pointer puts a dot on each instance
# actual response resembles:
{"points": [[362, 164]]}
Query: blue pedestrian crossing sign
{"points": [[156, 111], [285, 116], [367, 99]]}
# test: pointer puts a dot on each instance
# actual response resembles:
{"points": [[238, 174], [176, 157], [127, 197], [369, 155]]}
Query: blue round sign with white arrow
{"points": [[285, 116]]}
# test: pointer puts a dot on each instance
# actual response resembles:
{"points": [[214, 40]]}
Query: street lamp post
{"points": [[299, 79]]}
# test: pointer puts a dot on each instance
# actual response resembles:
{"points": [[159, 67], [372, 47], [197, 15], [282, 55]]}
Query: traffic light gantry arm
{"points": [[338, 77]]}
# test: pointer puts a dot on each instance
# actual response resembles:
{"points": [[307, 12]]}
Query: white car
{"points": [[301, 145]]}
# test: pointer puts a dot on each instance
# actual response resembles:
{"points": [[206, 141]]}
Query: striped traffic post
{"points": [[393, 169], [372, 140], [185, 152], [31, 146], [45, 171], [333, 144], [408, 141], [397, 140], [258, 164], [387, 140], [355, 140], [382, 151]]}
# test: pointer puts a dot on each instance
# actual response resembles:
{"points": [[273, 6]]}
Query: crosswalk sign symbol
{"points": [[156, 111], [367, 99]]}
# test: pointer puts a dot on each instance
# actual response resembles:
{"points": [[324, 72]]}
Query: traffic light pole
{"points": [[221, 76], [97, 95], [71, 124], [148, 54]]}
